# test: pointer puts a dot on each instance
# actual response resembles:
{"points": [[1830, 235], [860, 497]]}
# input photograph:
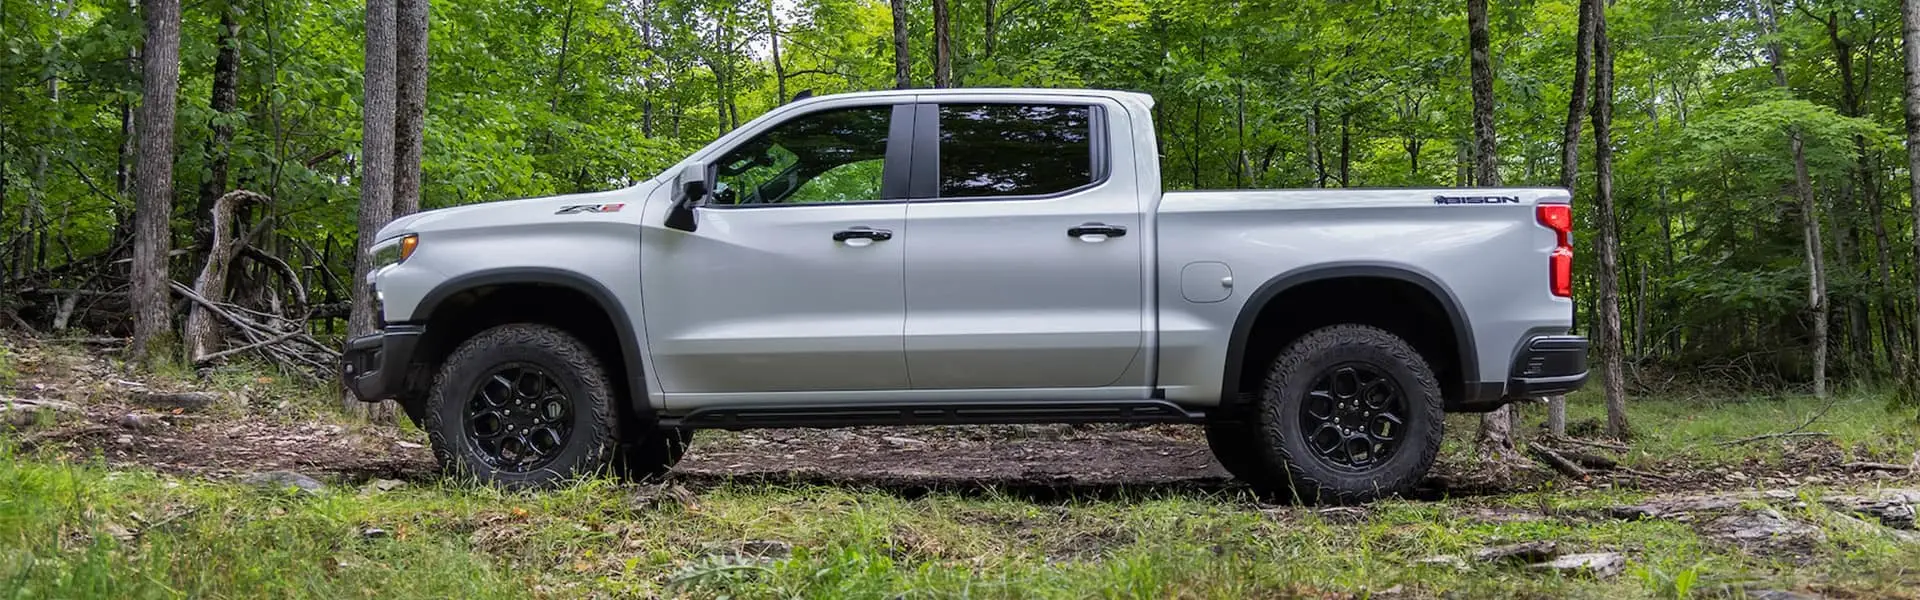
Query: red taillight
{"points": [[1559, 218]]}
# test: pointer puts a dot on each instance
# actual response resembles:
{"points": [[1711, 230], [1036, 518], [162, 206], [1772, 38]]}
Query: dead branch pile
{"points": [[228, 311]]}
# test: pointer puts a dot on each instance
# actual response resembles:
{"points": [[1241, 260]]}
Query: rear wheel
{"points": [[522, 406], [1348, 413]]}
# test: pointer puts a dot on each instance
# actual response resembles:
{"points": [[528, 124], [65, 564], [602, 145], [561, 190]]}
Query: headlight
{"points": [[394, 251]]}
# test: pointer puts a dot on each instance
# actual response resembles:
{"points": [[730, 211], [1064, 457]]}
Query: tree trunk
{"points": [[942, 52], [1570, 156], [902, 62], [1346, 145], [1613, 373], [1910, 12], [1496, 428], [153, 185], [993, 26], [202, 334], [226, 98], [1809, 212], [1314, 161], [376, 164], [410, 102], [779, 70]]}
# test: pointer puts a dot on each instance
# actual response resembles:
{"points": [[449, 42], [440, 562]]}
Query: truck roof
{"points": [[938, 92]]}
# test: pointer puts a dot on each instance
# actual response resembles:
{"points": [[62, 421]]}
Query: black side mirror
{"points": [[693, 192]]}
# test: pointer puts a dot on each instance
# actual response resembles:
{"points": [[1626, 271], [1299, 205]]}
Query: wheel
{"points": [[522, 406], [1348, 413], [1236, 446], [653, 454]]}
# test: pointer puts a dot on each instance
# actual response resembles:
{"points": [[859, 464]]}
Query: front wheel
{"points": [[1348, 413], [522, 406]]}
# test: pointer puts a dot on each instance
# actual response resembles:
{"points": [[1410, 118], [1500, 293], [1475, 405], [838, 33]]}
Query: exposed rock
{"points": [[1670, 507], [284, 480], [1599, 565], [1763, 529], [387, 485], [1522, 552], [1893, 508], [185, 401], [141, 421], [23, 413]]}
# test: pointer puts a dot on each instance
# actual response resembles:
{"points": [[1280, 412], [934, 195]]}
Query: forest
{"points": [[1738, 169]]}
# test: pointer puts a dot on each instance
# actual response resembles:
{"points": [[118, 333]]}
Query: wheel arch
{"points": [[1465, 371], [466, 292]]}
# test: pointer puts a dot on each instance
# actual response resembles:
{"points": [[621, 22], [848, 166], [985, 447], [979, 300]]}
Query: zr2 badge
{"points": [[589, 208]]}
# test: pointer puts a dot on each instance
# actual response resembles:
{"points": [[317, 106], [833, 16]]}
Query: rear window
{"points": [[1014, 149]]}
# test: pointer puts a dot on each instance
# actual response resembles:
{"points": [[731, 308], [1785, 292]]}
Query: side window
{"points": [[824, 157], [1014, 149]]}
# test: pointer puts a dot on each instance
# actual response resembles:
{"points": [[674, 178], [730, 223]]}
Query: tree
{"points": [[902, 61], [410, 99], [942, 53], [1910, 33], [1496, 428], [1570, 153], [1612, 345], [225, 99], [376, 161], [1765, 13], [153, 204]]}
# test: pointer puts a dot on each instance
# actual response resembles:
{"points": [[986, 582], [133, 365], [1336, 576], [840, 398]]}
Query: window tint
{"points": [[831, 156], [1014, 149]]}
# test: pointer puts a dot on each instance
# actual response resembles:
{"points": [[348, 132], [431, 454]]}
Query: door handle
{"points": [[1096, 232], [862, 233]]}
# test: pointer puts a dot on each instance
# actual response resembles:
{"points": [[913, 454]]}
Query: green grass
{"points": [[58, 520]]}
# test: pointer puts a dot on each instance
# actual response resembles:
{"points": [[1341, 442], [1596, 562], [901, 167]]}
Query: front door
{"points": [[1024, 270], [792, 280]]}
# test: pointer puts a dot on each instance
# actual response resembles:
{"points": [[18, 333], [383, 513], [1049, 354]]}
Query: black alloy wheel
{"points": [[1354, 416], [519, 419]]}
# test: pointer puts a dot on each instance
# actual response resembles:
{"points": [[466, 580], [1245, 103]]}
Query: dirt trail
{"points": [[234, 437]]}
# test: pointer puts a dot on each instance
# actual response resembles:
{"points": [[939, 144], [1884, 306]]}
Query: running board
{"points": [[971, 413]]}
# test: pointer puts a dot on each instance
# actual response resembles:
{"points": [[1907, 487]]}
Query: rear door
{"points": [[1025, 265]]}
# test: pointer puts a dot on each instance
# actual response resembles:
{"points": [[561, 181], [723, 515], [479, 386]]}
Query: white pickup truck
{"points": [[967, 257]]}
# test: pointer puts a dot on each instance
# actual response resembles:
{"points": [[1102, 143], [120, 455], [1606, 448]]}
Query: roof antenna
{"points": [[804, 94]]}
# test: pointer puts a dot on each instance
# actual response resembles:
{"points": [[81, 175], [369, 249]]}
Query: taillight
{"points": [[1559, 218]]}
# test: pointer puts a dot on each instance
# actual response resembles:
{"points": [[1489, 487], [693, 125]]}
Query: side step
{"points": [[971, 413]]}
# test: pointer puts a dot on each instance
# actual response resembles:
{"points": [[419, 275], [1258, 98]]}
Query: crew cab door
{"points": [[791, 280], [1025, 265]]}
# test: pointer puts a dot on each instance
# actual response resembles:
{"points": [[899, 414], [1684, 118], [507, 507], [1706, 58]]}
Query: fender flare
{"points": [[561, 278], [1262, 296]]}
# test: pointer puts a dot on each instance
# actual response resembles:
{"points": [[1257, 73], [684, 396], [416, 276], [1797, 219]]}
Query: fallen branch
{"points": [[253, 346], [1876, 466], [1558, 462], [1560, 439], [1789, 434]]}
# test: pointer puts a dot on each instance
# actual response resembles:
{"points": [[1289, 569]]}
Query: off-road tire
{"points": [[1292, 465], [650, 451], [593, 439]]}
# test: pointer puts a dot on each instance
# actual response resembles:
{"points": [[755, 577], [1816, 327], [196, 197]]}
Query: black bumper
{"points": [[376, 366], [1548, 366]]}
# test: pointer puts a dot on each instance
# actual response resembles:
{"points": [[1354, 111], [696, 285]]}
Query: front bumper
{"points": [[376, 367], [1548, 365]]}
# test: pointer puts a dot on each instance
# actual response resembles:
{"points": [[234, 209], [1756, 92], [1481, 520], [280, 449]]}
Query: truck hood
{"points": [[525, 211]]}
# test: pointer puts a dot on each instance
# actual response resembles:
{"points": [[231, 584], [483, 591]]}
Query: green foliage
{"points": [[530, 99]]}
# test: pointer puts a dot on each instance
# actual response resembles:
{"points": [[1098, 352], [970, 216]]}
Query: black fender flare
{"points": [[561, 278], [1257, 302]]}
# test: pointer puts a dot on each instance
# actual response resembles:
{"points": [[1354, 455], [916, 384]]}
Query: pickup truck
{"points": [[973, 256]]}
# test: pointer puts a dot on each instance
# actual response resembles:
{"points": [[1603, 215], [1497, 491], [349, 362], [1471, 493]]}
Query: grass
{"points": [[80, 530], [59, 520], [58, 524]]}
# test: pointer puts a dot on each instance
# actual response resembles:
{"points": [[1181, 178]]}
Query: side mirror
{"points": [[693, 192]]}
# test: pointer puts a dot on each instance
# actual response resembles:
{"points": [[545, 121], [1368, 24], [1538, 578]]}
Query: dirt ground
{"points": [[116, 421]]}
